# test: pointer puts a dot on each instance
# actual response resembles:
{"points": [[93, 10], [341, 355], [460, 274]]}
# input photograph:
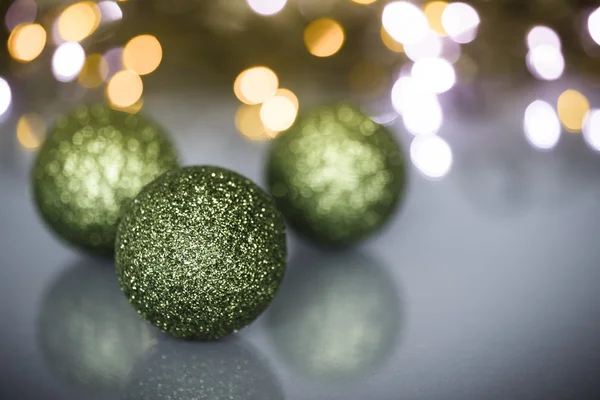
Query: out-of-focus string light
{"points": [[142, 54], [94, 71], [390, 42], [429, 46], [114, 60], [434, 11], [594, 25], [267, 7], [249, 123], [255, 85], [572, 107], [432, 155], [124, 89], [110, 11], [434, 74], [67, 61], [278, 113], [461, 22], [451, 50], [291, 96], [591, 129], [364, 2], [31, 131], [324, 37], [546, 62], [26, 42], [79, 21], [5, 96], [542, 35], [405, 22], [132, 109], [20, 12], [541, 125], [420, 109]]}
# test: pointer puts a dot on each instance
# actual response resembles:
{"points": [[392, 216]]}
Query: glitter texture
{"points": [[201, 252], [336, 175], [92, 164]]}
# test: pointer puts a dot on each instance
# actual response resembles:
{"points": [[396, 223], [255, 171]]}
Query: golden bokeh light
{"points": [[433, 11], [255, 85], [79, 21], [364, 1], [249, 123], [290, 96], [572, 108], [132, 109], [390, 43], [278, 113], [26, 42], [94, 72], [31, 131], [324, 37], [124, 89], [142, 54], [368, 79]]}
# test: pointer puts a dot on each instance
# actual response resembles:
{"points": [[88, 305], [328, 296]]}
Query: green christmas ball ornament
{"points": [[93, 163], [336, 175], [201, 252]]}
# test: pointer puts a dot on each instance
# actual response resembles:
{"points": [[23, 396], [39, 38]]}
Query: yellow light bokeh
{"points": [[79, 21], [289, 95], [31, 131], [324, 37], [390, 43], [26, 42], [94, 72], [249, 123], [433, 11], [124, 89], [364, 1], [572, 107], [369, 79], [132, 109], [142, 54], [255, 85], [278, 113]]}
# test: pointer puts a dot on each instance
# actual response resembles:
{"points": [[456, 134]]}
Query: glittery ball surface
{"points": [[201, 252], [93, 163], [336, 175]]}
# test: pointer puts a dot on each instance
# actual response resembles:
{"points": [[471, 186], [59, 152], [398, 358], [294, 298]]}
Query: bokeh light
{"points": [[461, 22], [124, 89], [20, 12], [423, 115], [267, 7], [31, 131], [390, 42], [249, 123], [291, 96], [434, 11], [591, 129], [114, 60], [405, 22], [5, 96], [434, 74], [546, 62], [67, 61], [94, 71], [542, 35], [26, 42], [572, 108], [278, 113], [142, 54], [541, 125], [110, 11], [451, 50], [431, 155], [594, 25], [324, 37], [429, 46], [255, 85], [79, 21], [132, 109], [364, 1]]}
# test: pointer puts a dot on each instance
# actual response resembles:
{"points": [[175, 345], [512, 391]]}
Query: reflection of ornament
{"points": [[337, 317], [89, 334], [201, 252], [220, 370], [92, 164], [336, 175]]}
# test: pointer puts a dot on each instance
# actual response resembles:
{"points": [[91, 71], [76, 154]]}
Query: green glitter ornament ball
{"points": [[93, 163], [201, 252], [336, 175]]}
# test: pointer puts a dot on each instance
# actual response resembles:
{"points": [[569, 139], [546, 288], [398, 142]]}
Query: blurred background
{"points": [[485, 284]]}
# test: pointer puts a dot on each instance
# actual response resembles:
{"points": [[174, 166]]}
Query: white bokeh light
{"points": [[5, 96], [431, 155], [541, 125], [594, 25], [110, 11], [461, 22], [435, 75], [267, 7], [67, 61], [546, 62], [542, 35], [429, 46], [591, 129], [403, 91], [404, 22], [451, 50]]}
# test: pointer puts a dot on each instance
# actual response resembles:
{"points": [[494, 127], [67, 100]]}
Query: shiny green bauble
{"points": [[93, 163], [336, 175], [201, 252]]}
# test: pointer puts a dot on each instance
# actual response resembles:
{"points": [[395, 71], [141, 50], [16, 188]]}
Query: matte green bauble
{"points": [[336, 175], [93, 163], [201, 252]]}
